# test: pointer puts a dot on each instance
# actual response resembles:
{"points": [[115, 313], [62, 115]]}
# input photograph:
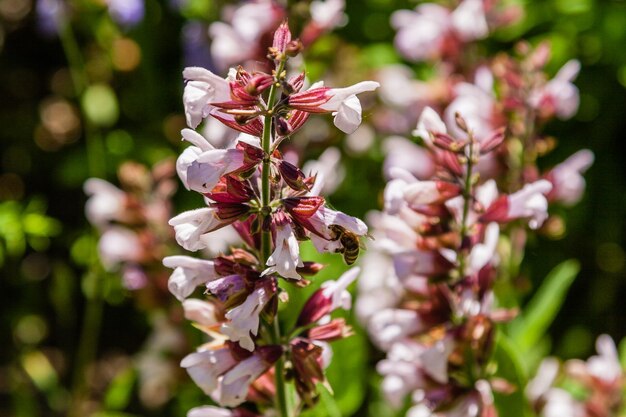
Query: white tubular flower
{"points": [[400, 371], [530, 202], [210, 411], [236, 382], [435, 359], [391, 325], [207, 366], [420, 33], [205, 172], [117, 245], [328, 170], [544, 378], [485, 252], [379, 287], [202, 88], [286, 256], [469, 20], [191, 226], [227, 45], [243, 320], [429, 121], [559, 403], [328, 14], [188, 274], [106, 202], [199, 311], [476, 103], [346, 107], [190, 154], [184, 161], [337, 290], [567, 178], [559, 94], [606, 365]]}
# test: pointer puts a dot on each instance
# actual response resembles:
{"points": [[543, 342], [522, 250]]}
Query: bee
{"points": [[350, 243]]}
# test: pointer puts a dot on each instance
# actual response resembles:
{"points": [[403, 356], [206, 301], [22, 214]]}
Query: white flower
{"points": [[429, 122], [484, 253], [191, 226], [435, 359], [117, 245], [199, 311], [400, 371], [475, 102], [567, 178], [210, 411], [404, 154], [243, 320], [391, 325], [337, 290], [190, 154], [345, 106], [420, 32], [205, 172], [207, 366], [606, 365], [328, 14], [188, 274], [228, 47], [530, 202], [202, 88], [559, 93], [328, 170], [379, 287], [544, 378], [469, 20], [106, 202], [286, 256], [234, 386]]}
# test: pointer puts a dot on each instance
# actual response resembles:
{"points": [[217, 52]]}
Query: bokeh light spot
{"points": [[125, 54], [610, 257]]}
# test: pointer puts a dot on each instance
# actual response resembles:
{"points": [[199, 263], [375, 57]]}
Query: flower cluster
{"points": [[242, 34], [469, 188], [436, 262], [273, 206], [133, 239], [578, 388], [130, 221]]}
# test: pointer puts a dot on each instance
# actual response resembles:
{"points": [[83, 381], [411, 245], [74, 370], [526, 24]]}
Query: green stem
{"points": [[266, 139], [467, 197]]}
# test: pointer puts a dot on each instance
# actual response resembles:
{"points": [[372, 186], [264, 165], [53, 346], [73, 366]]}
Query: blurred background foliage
{"points": [[78, 104]]}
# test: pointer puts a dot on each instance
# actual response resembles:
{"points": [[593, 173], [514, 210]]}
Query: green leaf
{"points": [[510, 368], [120, 390], [530, 327]]}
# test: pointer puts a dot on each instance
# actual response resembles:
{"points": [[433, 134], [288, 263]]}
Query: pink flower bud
{"points": [[331, 296], [334, 330], [282, 37], [292, 175]]}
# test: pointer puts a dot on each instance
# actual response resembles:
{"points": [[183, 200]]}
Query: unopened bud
{"points": [[460, 122], [258, 83], [282, 37], [451, 162], [283, 127], [293, 48], [310, 268], [493, 141]]}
